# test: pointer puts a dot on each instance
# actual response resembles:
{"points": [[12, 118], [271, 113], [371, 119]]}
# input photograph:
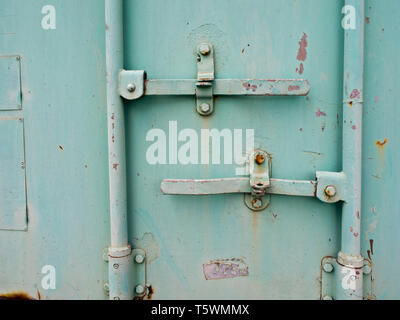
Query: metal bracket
{"points": [[205, 78], [331, 186], [330, 275], [259, 169]]}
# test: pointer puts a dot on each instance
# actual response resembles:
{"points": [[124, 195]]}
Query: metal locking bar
{"points": [[133, 84]]}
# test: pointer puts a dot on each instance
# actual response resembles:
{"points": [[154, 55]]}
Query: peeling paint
{"points": [[225, 269]]}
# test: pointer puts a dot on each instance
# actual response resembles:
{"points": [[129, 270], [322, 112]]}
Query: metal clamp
{"points": [[205, 78], [259, 169]]}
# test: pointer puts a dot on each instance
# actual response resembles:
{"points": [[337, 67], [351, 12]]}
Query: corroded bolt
{"points": [[131, 87], [259, 158], [327, 298], [328, 267], [139, 289], [257, 203], [139, 258], [205, 107], [116, 265], [204, 49], [117, 298], [366, 269], [330, 191]]}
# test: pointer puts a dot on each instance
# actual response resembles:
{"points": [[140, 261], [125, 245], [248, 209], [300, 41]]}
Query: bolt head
{"points": [[205, 107], [330, 191], [204, 49], [139, 258], [116, 265], [259, 158], [139, 289], [131, 87], [117, 298], [257, 203], [328, 267], [366, 269], [327, 298]]}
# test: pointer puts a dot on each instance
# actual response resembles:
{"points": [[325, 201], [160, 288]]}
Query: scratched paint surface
{"points": [[64, 112]]}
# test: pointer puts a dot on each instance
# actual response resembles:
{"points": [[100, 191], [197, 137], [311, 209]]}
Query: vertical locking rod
{"points": [[350, 276], [120, 261]]}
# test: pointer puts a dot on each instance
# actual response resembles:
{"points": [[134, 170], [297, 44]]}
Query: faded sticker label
{"points": [[225, 269]]}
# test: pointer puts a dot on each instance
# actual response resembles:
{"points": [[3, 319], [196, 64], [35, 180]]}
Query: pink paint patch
{"points": [[358, 214], [292, 88], [351, 229], [353, 127], [300, 69], [355, 234], [355, 94], [225, 269], [376, 99], [319, 113], [302, 53]]}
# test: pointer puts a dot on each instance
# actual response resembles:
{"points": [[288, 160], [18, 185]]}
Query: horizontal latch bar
{"points": [[132, 85], [230, 87], [305, 188]]}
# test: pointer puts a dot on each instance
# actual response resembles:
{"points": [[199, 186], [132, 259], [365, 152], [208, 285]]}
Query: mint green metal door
{"points": [[232, 165]]}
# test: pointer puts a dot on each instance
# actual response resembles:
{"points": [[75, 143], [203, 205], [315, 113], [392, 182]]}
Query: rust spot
{"points": [[369, 254], [367, 20], [381, 144], [260, 158], [353, 127], [150, 292], [302, 53], [351, 229], [61, 147], [115, 166], [319, 113], [355, 234], [371, 245], [18, 295], [358, 214]]}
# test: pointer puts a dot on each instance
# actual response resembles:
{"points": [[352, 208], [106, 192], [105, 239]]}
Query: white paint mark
{"points": [[49, 20]]}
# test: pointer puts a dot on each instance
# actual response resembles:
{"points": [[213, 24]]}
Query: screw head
{"points": [[327, 298], [257, 203], [204, 49], [139, 258], [328, 267], [131, 87], [139, 289], [330, 191], [116, 265], [366, 269], [205, 107]]}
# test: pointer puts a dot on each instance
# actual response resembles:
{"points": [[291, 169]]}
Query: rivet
{"points": [[116, 298], [139, 289], [328, 267], [327, 298], [139, 258], [204, 49], [205, 107], [131, 87], [116, 265], [330, 191]]}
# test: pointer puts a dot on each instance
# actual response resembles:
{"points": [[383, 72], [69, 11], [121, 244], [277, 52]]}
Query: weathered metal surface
{"points": [[10, 93], [225, 269], [12, 175], [65, 120]]}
